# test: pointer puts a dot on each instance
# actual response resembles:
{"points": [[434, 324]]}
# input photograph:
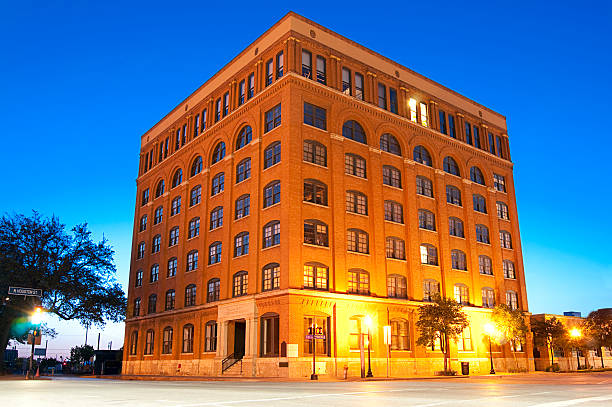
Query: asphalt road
{"points": [[539, 390]]}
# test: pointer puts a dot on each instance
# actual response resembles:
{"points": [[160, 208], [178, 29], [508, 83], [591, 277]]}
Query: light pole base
{"points": [[492, 371], [314, 377], [369, 374]]}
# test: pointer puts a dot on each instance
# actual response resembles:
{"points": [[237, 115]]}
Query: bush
{"points": [[554, 368], [446, 373]]}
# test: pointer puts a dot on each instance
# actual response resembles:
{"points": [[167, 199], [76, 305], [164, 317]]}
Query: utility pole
{"points": [[98, 340]]}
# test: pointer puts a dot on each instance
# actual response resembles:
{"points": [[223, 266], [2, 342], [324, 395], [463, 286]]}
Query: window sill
{"points": [[483, 243], [217, 228], [455, 205], [428, 230], [272, 129], [358, 214], [459, 270], [218, 193], [194, 205], [315, 204], [241, 218], [457, 237], [394, 222], [509, 278], [240, 256], [272, 166], [356, 176], [315, 164], [393, 187], [271, 206], [315, 246], [310, 126], [243, 181], [487, 275], [358, 253], [270, 247], [394, 259]]}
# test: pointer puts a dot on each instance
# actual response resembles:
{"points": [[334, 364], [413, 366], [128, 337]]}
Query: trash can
{"points": [[465, 368]]}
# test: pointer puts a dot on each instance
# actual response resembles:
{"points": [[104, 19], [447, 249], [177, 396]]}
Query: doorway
{"points": [[239, 338]]}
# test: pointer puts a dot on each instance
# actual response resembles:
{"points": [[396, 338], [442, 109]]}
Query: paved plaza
{"points": [[536, 390]]}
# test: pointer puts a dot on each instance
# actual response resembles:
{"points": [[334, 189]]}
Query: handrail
{"points": [[231, 360]]}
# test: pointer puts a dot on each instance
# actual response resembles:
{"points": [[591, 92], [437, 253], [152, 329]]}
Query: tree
{"points": [[76, 275], [511, 325], [81, 354], [598, 327], [549, 332], [443, 320]]}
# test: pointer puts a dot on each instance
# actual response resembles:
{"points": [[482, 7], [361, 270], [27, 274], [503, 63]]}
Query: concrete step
{"points": [[235, 371]]}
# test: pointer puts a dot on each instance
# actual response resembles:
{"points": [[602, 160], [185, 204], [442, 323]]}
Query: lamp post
{"points": [[490, 330], [36, 319], [368, 322], [576, 334]]}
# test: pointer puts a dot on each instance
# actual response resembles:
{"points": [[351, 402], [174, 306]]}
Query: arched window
{"points": [[316, 276], [177, 178], [482, 234], [458, 261], [399, 335], [175, 207], [505, 239], [158, 216], [134, 343], [396, 248], [429, 254], [218, 184], [476, 175], [143, 223], [355, 165], [431, 288], [358, 282], [170, 300], [214, 290], [216, 218], [315, 232], [357, 241], [396, 286], [243, 170], [141, 250], [462, 295], [485, 265], [502, 210], [241, 244], [353, 130], [159, 190], [214, 253], [453, 195], [149, 342], [315, 152], [508, 267], [218, 153], [271, 194], [512, 299], [424, 186], [488, 297], [243, 206], [154, 276], [480, 203], [210, 336], [427, 220], [315, 192], [421, 155], [167, 340], [173, 238], [152, 304], [156, 244], [194, 228], [392, 176], [190, 295], [356, 202], [244, 137], [241, 283], [188, 338], [196, 167], [195, 197], [271, 234], [192, 260], [394, 212], [450, 166], [272, 154], [455, 227], [389, 143], [172, 266], [271, 277]]}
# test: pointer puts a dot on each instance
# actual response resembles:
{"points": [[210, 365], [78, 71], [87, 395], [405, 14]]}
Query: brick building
{"points": [[314, 181]]}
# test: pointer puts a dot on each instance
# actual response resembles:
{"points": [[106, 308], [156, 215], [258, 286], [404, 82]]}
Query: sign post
{"points": [[387, 335], [314, 332]]}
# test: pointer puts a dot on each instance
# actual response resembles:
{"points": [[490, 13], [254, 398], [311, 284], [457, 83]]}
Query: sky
{"points": [[80, 82]]}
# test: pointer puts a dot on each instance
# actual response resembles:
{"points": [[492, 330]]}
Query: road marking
{"points": [[438, 403], [564, 403]]}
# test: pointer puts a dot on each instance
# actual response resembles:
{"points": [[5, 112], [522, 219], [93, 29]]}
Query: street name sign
{"points": [[31, 292]]}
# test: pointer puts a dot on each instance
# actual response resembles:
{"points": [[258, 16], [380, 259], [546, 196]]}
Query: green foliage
{"points": [[553, 368], [510, 323], [444, 319], [550, 333], [598, 327], [76, 275], [81, 354]]}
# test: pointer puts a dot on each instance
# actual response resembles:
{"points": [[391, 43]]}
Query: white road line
{"points": [[564, 403], [439, 403]]}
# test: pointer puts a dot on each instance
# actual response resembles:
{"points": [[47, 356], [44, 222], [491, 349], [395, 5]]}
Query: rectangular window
{"points": [[269, 72], [210, 344], [270, 336], [279, 65], [241, 92], [499, 146], [423, 107], [443, 129], [476, 137], [451, 126], [184, 138], [393, 100], [499, 181], [204, 120], [412, 105], [346, 82], [251, 86], [468, 133], [464, 342], [196, 126], [382, 96], [359, 86], [321, 70], [273, 118], [320, 326], [315, 116], [491, 144], [225, 104], [306, 64], [217, 110]]}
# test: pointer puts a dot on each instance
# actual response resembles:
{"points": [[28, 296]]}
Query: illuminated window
{"points": [[462, 294], [279, 65], [488, 297], [399, 335], [442, 117], [396, 286], [412, 105], [188, 338], [241, 283], [149, 342], [423, 108], [508, 267], [167, 340], [316, 276], [502, 210], [315, 233], [429, 254], [431, 288], [321, 326], [271, 277], [358, 282], [464, 342], [315, 192], [512, 299]]}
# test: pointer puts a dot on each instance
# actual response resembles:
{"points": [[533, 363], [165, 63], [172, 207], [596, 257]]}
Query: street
{"points": [[536, 390]]}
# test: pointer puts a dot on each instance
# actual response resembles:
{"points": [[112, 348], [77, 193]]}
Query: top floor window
{"points": [[451, 126], [359, 86], [392, 100], [442, 116], [315, 116], [269, 71], [251, 86], [225, 104], [306, 64], [241, 92], [346, 82], [382, 96], [272, 118], [279, 65], [321, 70]]}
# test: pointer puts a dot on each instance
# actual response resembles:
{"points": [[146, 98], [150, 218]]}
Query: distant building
{"points": [[312, 181]]}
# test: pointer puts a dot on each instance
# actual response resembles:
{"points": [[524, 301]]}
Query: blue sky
{"points": [[81, 81]]}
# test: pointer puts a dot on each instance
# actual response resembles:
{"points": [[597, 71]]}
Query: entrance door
{"points": [[239, 337]]}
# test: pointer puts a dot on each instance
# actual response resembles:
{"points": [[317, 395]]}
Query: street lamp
{"points": [[368, 322], [490, 330], [576, 334], [35, 319]]}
